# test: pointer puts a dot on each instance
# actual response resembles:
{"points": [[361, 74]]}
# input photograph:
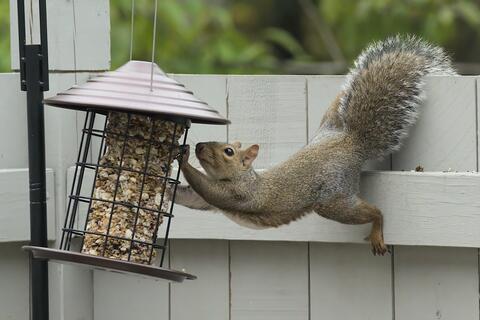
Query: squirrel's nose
{"points": [[199, 147]]}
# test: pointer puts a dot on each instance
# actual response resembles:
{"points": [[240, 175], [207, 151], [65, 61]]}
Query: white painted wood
{"points": [[78, 291], [13, 119], [269, 111], [269, 280], [436, 283], [211, 89], [321, 92], [348, 282], [445, 135], [15, 208], [92, 34], [125, 297], [440, 283], [79, 41], [207, 297], [439, 209], [412, 203], [60, 125], [478, 122], [14, 285]]}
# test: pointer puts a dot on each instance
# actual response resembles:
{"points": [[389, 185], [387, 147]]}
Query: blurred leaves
{"points": [[446, 22], [195, 37], [4, 36]]}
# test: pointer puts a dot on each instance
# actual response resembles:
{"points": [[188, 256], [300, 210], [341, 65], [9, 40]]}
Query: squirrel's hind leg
{"points": [[353, 210]]}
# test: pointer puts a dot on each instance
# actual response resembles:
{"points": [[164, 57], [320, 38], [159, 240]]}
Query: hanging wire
{"points": [[154, 42], [132, 22], [74, 42], [30, 22]]}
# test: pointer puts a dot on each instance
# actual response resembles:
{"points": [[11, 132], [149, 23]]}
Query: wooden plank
{"points": [[413, 204], [213, 90], [269, 280], [321, 92], [126, 297], [60, 124], [270, 111], [446, 279], [78, 292], [445, 135], [78, 34], [92, 34], [439, 209], [349, 272], [14, 295], [15, 208], [436, 283], [13, 123], [478, 122], [208, 296]]}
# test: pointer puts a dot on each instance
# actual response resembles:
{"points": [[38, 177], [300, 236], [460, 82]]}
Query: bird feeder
{"points": [[121, 201]]}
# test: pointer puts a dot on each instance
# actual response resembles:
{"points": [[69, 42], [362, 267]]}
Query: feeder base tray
{"points": [[102, 263]]}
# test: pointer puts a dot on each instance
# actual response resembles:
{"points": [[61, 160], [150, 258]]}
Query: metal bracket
{"points": [[43, 51]]}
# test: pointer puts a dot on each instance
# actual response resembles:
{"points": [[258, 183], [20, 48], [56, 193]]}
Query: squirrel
{"points": [[369, 119]]}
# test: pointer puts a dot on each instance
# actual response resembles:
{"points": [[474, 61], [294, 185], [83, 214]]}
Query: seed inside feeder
{"points": [[127, 201]]}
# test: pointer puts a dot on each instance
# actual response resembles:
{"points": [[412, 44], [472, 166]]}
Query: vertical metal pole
{"points": [[38, 198], [34, 80]]}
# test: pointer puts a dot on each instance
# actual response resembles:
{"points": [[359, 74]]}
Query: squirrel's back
{"points": [[384, 90]]}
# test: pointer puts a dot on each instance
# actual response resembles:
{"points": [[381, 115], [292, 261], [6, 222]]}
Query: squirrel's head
{"points": [[225, 160]]}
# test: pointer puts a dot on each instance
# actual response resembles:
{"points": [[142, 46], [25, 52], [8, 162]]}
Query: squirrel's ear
{"points": [[250, 154], [237, 144]]}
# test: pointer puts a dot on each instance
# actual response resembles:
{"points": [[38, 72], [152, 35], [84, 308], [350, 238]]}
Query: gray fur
{"points": [[384, 90]]}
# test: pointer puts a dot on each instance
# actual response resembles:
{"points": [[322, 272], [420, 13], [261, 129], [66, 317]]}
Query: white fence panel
{"points": [[270, 111], [15, 205], [348, 282], [444, 136], [120, 297], [436, 283], [14, 282], [78, 33], [269, 281], [207, 297]]}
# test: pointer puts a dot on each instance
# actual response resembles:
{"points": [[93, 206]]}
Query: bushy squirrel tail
{"points": [[384, 89]]}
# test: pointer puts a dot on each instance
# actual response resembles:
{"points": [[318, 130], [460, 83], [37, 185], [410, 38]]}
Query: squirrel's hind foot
{"points": [[378, 245]]}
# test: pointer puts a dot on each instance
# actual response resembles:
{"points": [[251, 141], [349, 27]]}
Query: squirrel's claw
{"points": [[378, 245], [184, 154]]}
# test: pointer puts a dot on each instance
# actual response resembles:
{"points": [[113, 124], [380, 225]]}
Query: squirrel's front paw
{"points": [[184, 154]]}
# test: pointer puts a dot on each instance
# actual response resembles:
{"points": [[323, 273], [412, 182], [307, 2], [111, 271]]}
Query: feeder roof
{"points": [[128, 89]]}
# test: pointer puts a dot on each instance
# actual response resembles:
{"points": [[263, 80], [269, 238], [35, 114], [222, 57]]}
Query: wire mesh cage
{"points": [[119, 213], [121, 201]]}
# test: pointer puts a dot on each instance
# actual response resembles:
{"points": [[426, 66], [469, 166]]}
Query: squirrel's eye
{"points": [[229, 152]]}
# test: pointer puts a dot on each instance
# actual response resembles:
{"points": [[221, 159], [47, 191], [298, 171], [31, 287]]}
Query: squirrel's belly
{"points": [[244, 222]]}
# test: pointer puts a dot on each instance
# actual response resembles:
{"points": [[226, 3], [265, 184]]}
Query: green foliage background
{"points": [[4, 36], [265, 36]]}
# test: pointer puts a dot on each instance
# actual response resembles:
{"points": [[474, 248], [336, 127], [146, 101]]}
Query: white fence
{"points": [[302, 271]]}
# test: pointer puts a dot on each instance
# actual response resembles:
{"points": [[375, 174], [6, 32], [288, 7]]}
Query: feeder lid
{"points": [[128, 89]]}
